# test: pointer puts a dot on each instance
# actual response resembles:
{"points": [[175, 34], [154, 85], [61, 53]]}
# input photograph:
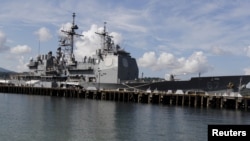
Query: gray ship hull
{"points": [[207, 84]]}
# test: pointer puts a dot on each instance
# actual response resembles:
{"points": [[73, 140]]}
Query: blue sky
{"points": [[166, 37]]}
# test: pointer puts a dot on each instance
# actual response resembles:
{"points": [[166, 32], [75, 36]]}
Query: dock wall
{"points": [[191, 100]]}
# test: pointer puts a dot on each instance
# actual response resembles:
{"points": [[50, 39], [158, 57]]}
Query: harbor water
{"points": [[47, 118]]}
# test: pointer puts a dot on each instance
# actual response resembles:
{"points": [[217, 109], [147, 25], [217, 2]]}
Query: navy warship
{"points": [[110, 68]]}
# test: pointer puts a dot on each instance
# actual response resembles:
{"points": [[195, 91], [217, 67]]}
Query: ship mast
{"points": [[70, 43], [106, 39]]}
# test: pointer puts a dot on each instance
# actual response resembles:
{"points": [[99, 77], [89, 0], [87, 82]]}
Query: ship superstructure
{"points": [[110, 65]]}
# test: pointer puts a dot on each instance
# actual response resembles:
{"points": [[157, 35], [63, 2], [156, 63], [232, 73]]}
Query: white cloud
{"points": [[148, 60], [90, 42], [22, 65], [117, 37], [43, 34], [3, 40], [64, 27], [247, 71], [166, 59], [247, 51], [20, 49], [219, 51], [196, 63], [87, 44]]}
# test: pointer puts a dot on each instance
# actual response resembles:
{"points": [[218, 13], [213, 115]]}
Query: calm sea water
{"points": [[44, 118]]}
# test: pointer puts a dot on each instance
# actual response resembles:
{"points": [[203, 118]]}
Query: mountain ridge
{"points": [[6, 70]]}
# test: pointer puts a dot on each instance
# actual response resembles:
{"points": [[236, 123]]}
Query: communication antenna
{"points": [[69, 45], [38, 46]]}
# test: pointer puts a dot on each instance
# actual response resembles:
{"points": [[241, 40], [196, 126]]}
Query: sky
{"points": [[181, 37]]}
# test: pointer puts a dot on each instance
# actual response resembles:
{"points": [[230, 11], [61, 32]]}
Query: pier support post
{"points": [[195, 100], [160, 95], [102, 95], [78, 93], [123, 97], [114, 95], [176, 102], [57, 93], [148, 98], [221, 102], [170, 100], [236, 103], [119, 96], [51, 93], [86, 94], [201, 101], [208, 98], [182, 101], [245, 103], [189, 100], [138, 97]]}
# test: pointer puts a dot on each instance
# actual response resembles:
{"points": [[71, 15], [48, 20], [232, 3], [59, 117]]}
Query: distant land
{"points": [[5, 73], [5, 70]]}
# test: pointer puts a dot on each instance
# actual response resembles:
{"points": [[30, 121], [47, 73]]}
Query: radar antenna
{"points": [[106, 39], [68, 42]]}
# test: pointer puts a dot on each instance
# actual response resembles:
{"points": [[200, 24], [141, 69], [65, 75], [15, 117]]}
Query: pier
{"points": [[199, 100]]}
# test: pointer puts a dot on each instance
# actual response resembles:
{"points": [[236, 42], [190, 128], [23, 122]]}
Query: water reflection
{"points": [[93, 120], [28, 118]]}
